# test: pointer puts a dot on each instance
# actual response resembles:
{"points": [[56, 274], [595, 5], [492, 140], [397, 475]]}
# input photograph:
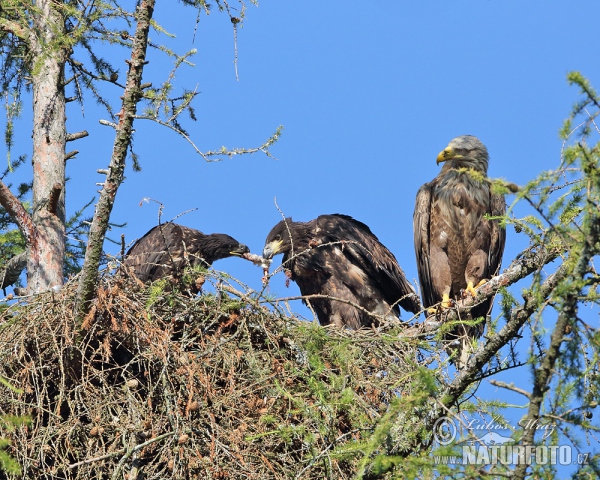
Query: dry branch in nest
{"points": [[160, 385]]}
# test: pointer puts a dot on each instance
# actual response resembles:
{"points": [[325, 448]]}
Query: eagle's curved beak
{"points": [[446, 154], [240, 250], [272, 248]]}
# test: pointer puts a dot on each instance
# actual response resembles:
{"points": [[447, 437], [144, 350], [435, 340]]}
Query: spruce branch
{"points": [[568, 315], [13, 27]]}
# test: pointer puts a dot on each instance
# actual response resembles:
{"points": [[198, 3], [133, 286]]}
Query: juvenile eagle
{"points": [[168, 248], [337, 256], [457, 248]]}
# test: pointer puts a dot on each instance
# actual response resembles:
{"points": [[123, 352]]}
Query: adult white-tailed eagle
{"points": [[168, 248], [339, 257], [457, 247]]}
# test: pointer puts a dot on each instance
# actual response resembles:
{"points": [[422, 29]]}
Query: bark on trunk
{"points": [[46, 251]]}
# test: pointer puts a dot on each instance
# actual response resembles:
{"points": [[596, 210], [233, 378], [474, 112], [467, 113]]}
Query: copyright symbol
{"points": [[444, 430]]}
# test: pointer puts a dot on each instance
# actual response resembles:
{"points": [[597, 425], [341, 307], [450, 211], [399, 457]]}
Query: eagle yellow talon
{"points": [[473, 289], [444, 304]]}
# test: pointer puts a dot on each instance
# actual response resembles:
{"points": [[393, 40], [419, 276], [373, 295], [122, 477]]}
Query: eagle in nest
{"points": [[457, 245], [355, 279], [168, 248]]}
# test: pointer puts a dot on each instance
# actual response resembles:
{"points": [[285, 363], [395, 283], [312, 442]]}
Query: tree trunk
{"points": [[47, 247], [86, 288]]}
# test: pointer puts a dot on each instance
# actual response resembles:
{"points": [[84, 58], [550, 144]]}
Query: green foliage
{"points": [[9, 423], [8, 463]]}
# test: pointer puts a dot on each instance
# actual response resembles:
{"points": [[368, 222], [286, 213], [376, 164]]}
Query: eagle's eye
{"points": [[277, 237]]}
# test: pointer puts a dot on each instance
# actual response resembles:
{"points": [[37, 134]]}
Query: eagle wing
{"points": [[157, 254], [364, 250], [189, 247], [421, 219]]}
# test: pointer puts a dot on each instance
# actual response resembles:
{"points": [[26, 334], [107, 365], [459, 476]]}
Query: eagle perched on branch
{"points": [[457, 247], [168, 248], [338, 257]]}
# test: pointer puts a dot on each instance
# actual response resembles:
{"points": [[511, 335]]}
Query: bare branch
{"points": [[121, 452], [307, 298], [106, 123], [76, 136], [510, 386], [71, 154]]}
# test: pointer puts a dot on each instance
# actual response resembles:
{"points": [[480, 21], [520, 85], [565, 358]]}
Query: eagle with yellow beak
{"points": [[345, 274], [457, 245]]}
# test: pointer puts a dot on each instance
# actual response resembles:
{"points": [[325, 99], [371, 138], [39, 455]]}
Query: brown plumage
{"points": [[168, 248], [456, 247], [340, 257]]}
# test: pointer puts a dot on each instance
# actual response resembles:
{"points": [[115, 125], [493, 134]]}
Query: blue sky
{"points": [[367, 98], [368, 95]]}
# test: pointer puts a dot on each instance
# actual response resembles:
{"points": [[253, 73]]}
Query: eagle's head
{"points": [[466, 151], [219, 245], [278, 239]]}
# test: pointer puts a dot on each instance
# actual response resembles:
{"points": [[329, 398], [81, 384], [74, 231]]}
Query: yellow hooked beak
{"points": [[272, 248], [446, 154]]}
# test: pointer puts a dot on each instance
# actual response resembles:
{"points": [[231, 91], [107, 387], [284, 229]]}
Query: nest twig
{"points": [[156, 384]]}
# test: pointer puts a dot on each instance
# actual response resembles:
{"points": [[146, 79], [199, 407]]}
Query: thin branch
{"points": [[264, 148], [71, 154], [323, 452], [76, 136], [382, 318], [175, 129], [510, 386], [120, 452]]}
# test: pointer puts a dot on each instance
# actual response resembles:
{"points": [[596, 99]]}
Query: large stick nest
{"points": [[156, 384]]}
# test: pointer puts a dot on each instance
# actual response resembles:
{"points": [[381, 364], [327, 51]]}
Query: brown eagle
{"points": [[168, 248], [339, 257], [457, 247]]}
